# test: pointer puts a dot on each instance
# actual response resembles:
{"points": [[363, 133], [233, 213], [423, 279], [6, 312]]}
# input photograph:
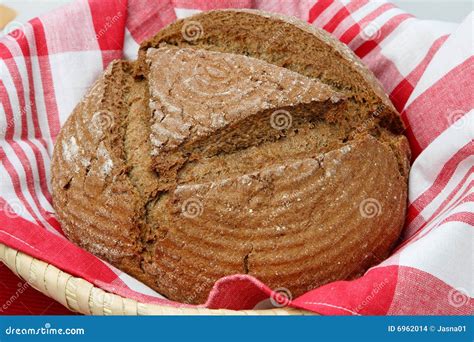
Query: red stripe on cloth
{"points": [[372, 294], [408, 231], [403, 90], [412, 214], [246, 293], [400, 95], [385, 30], [25, 49], [15, 179], [465, 217], [44, 245], [441, 180], [24, 46], [421, 293], [143, 21], [383, 68], [318, 8], [421, 230], [25, 163], [208, 5], [343, 13], [415, 146], [461, 197], [49, 94], [416, 73], [440, 106], [13, 68], [416, 231], [109, 24], [355, 29], [8, 59]]}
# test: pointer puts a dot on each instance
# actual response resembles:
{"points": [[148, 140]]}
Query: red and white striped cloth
{"points": [[425, 66]]}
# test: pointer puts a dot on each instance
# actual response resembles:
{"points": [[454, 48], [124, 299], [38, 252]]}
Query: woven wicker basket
{"points": [[81, 296]]}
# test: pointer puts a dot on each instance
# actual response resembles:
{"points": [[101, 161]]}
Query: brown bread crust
{"points": [[194, 163]]}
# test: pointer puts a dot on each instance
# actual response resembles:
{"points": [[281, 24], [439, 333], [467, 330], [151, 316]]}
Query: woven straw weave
{"points": [[81, 296]]}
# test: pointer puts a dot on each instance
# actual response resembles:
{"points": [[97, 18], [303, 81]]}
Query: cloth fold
{"points": [[426, 67]]}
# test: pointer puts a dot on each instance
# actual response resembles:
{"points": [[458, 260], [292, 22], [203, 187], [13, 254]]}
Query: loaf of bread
{"points": [[239, 142]]}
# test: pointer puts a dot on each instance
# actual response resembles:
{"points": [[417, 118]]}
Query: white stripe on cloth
{"points": [[38, 90], [365, 10], [72, 30], [8, 193], [414, 38], [327, 14], [73, 74], [296, 8], [138, 286], [430, 162], [356, 17], [40, 104], [31, 162], [455, 50], [376, 24], [130, 46], [7, 185], [445, 253], [184, 12], [463, 169], [15, 121]]}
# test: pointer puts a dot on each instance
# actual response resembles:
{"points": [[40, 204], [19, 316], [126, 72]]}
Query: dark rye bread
{"points": [[189, 165], [289, 43]]}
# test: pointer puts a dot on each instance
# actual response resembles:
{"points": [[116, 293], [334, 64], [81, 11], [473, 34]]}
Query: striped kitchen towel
{"points": [[425, 66]]}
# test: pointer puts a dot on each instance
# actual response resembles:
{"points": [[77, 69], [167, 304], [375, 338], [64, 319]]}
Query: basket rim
{"points": [[81, 296]]}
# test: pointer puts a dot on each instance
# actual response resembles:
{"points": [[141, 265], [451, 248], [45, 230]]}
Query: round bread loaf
{"points": [[239, 142]]}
